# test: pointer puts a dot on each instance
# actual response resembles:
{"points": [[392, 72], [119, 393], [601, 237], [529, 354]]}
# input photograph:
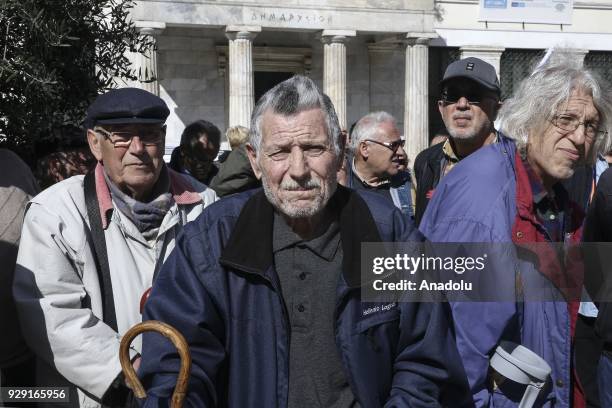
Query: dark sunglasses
{"points": [[473, 96], [393, 146]]}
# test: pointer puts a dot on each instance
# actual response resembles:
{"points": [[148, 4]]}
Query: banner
{"points": [[527, 11]]}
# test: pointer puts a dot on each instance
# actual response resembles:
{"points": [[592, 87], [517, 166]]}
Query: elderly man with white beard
{"points": [[265, 286], [468, 105]]}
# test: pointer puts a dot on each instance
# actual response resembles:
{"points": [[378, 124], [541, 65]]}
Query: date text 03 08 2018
{"points": [[33, 394]]}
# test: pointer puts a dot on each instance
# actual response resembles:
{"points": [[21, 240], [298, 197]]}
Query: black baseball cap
{"points": [[126, 106], [475, 69]]}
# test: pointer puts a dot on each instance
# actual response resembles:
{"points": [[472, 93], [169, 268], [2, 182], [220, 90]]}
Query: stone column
{"points": [[145, 63], [492, 55], [334, 69], [241, 92], [416, 94]]}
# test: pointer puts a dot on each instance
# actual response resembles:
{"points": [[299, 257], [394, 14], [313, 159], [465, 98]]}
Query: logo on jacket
{"points": [[379, 308]]}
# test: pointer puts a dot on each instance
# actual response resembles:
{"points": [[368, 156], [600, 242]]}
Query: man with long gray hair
{"points": [[512, 192], [265, 285]]}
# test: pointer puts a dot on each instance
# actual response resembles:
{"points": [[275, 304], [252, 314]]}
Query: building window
{"points": [[516, 65], [601, 63], [265, 81]]}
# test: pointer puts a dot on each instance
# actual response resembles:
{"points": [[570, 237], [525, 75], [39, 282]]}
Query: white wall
{"points": [[457, 24], [189, 81]]}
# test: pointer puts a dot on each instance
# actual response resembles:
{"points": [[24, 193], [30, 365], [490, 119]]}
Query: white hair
{"points": [[541, 94], [291, 97], [367, 126]]}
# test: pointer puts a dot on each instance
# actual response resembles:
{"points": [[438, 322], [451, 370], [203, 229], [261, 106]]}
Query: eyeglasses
{"points": [[571, 123], [148, 137], [393, 146]]}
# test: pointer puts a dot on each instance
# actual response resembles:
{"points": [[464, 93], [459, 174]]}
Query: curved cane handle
{"points": [[180, 391]]}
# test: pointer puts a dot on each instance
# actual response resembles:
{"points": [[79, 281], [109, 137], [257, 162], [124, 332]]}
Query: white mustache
{"points": [[292, 185]]}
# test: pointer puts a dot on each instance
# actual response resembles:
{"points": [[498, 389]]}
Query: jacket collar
{"points": [[182, 192], [249, 247]]}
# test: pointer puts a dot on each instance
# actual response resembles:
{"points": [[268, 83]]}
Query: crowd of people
{"points": [[254, 255]]}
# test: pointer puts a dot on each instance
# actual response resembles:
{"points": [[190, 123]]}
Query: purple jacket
{"points": [[477, 202]]}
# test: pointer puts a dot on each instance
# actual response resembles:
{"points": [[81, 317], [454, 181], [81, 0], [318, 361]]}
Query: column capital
{"points": [[242, 32], [475, 50], [153, 28], [336, 36], [414, 38], [490, 54]]}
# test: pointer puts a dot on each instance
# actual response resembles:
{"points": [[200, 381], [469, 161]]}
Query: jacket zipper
{"points": [[276, 287], [345, 366]]}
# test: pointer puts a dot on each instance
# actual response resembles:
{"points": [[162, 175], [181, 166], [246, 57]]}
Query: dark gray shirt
{"points": [[309, 272]]}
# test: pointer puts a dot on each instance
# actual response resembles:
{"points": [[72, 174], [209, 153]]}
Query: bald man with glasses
{"points": [[470, 99], [380, 162]]}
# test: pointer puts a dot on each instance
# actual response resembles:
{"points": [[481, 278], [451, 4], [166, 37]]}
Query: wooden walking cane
{"points": [[180, 391]]}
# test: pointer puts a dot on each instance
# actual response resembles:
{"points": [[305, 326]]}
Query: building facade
{"points": [[213, 59]]}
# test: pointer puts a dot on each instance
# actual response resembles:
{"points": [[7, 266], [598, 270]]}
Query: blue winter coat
{"points": [[219, 288], [476, 202]]}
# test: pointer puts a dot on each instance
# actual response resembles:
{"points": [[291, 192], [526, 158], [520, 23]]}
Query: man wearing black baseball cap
{"points": [[470, 99], [91, 244]]}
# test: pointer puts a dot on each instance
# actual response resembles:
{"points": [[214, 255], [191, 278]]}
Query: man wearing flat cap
{"points": [[468, 105], [91, 246]]}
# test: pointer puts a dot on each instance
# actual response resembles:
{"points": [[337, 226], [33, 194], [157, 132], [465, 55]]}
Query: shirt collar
{"points": [[449, 152], [323, 245]]}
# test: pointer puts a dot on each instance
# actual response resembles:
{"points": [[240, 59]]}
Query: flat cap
{"points": [[475, 69], [126, 105]]}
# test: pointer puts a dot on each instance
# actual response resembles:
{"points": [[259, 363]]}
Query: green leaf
{"points": [[57, 60]]}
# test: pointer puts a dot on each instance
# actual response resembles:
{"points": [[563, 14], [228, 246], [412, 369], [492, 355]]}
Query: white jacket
{"points": [[56, 286]]}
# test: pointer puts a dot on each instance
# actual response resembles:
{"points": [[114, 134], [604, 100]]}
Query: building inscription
{"points": [[289, 18]]}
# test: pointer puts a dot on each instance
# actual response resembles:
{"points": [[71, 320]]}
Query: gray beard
{"points": [[471, 136], [317, 206]]}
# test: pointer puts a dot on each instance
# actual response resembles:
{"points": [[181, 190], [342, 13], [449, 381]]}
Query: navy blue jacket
{"points": [[219, 288]]}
